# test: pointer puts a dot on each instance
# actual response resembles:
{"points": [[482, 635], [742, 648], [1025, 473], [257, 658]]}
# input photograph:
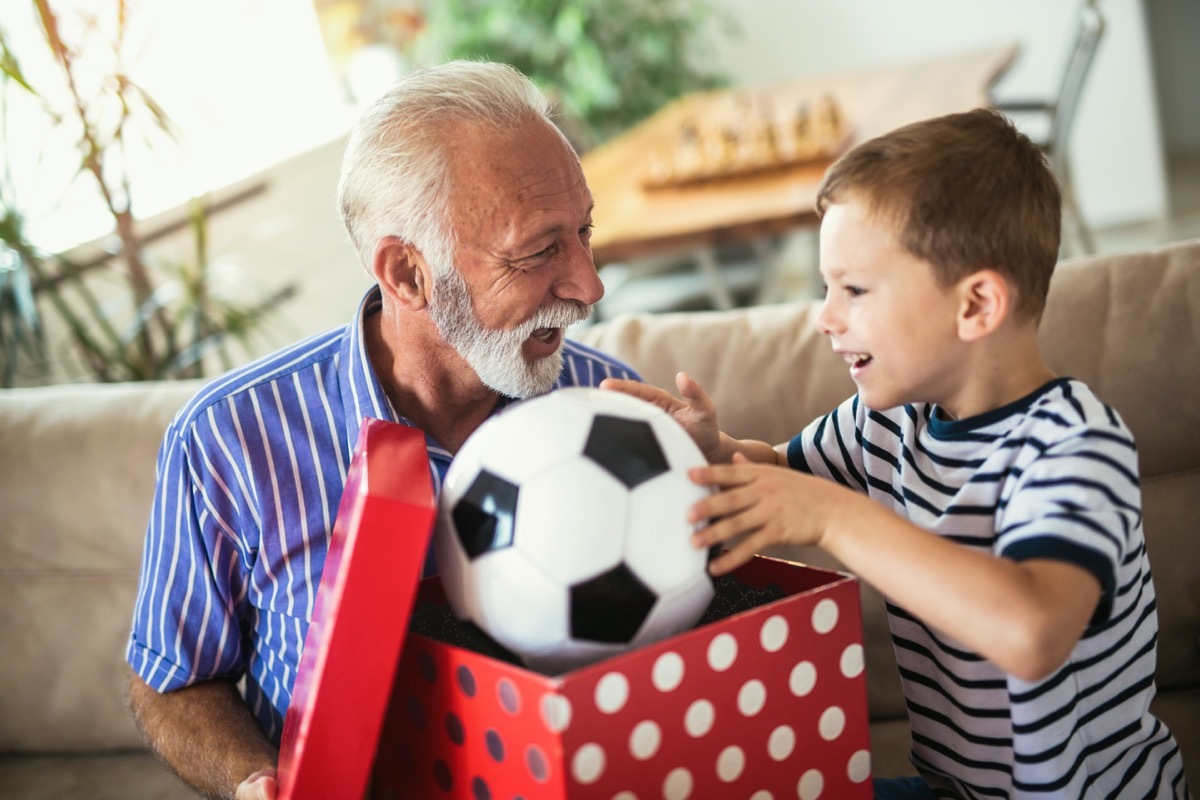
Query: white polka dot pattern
{"points": [[699, 719], [722, 652], [678, 785], [556, 712], [803, 678], [730, 763], [832, 723], [588, 764], [752, 698], [668, 672], [781, 742], [812, 784], [825, 616], [859, 767], [611, 692], [645, 739], [774, 634], [852, 661], [769, 704]]}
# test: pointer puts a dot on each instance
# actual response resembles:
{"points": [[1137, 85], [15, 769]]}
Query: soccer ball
{"points": [[562, 528]]}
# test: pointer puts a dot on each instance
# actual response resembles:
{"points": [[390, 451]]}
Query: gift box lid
{"points": [[354, 641]]}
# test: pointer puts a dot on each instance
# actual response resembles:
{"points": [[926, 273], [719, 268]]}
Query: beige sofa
{"points": [[78, 467]]}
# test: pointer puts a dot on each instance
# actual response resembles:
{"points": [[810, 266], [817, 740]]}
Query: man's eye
{"points": [[585, 232]]}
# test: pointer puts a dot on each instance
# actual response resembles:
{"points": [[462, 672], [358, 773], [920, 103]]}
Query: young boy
{"points": [[994, 504]]}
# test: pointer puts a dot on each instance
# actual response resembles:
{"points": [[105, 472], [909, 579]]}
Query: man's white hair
{"points": [[395, 178]]}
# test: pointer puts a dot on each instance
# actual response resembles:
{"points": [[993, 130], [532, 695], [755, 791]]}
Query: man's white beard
{"points": [[496, 355]]}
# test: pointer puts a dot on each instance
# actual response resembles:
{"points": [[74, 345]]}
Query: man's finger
{"points": [[261, 785]]}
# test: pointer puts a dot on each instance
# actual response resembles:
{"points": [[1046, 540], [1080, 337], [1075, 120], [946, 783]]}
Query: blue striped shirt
{"points": [[1053, 475], [250, 474]]}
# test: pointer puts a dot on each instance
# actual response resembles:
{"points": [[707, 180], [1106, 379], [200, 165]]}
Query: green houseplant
{"points": [[165, 321], [609, 63]]}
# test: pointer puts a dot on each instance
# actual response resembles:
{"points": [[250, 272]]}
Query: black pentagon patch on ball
{"points": [[484, 518], [610, 607], [627, 448]]}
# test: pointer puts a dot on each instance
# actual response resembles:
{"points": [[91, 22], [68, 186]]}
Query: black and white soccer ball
{"points": [[562, 528]]}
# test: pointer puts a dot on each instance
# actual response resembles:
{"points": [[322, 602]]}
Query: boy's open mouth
{"points": [[857, 359]]}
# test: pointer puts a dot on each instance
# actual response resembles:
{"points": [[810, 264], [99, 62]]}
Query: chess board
{"points": [[747, 134]]}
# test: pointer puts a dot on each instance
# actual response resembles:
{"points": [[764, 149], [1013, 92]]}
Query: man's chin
{"points": [[534, 377]]}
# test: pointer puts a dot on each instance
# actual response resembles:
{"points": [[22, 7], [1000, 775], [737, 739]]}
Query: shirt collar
{"points": [[362, 393]]}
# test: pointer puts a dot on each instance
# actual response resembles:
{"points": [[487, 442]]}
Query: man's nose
{"points": [[580, 280]]}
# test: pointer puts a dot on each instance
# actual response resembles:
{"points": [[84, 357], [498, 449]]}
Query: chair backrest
{"points": [[1087, 39]]}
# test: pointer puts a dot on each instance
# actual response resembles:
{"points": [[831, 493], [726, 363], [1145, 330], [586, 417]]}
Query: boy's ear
{"points": [[402, 273], [985, 299]]}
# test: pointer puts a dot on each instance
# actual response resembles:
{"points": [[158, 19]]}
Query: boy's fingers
{"points": [[692, 391], [642, 391], [623, 385], [718, 506], [730, 560], [723, 475]]}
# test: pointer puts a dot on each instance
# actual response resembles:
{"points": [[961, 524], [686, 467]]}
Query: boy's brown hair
{"points": [[963, 192]]}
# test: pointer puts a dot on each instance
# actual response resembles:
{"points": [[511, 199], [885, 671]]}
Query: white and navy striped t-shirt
{"points": [[1053, 475], [250, 474]]}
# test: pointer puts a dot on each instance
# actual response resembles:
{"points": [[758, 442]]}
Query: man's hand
{"points": [[259, 786]]}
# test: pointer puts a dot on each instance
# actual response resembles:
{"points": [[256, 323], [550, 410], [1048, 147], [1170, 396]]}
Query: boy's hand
{"points": [[762, 503], [695, 412]]}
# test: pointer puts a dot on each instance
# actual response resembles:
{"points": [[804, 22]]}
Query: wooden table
{"points": [[632, 221]]}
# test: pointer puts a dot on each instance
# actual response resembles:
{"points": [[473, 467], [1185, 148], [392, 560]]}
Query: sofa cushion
{"points": [[1129, 326], [114, 776], [78, 466]]}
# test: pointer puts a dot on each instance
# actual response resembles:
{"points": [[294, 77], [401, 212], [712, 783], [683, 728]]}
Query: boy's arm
{"points": [[1023, 616], [698, 416]]}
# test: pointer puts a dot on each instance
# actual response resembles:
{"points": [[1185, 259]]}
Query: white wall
{"points": [[1116, 149], [1175, 30]]}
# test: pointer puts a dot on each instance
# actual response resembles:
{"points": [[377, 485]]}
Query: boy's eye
{"points": [[855, 291]]}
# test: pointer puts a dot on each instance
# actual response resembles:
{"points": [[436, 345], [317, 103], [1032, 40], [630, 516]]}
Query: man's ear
{"points": [[402, 272], [985, 300]]}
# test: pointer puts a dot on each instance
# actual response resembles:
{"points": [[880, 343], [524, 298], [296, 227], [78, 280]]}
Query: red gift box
{"points": [[766, 703]]}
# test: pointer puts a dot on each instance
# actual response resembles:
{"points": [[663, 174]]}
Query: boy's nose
{"points": [[828, 321]]}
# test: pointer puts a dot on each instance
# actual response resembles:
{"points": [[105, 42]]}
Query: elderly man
{"points": [[471, 211]]}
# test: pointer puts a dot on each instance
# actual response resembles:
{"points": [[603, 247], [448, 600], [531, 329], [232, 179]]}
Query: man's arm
{"points": [[206, 734]]}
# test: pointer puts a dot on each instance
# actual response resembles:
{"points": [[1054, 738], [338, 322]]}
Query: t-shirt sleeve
{"points": [[830, 446], [1080, 502], [185, 626]]}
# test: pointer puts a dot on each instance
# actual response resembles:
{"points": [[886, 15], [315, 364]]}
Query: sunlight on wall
{"points": [[248, 84]]}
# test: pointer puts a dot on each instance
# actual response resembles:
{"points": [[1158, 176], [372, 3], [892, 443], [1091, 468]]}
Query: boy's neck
{"points": [[999, 370]]}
